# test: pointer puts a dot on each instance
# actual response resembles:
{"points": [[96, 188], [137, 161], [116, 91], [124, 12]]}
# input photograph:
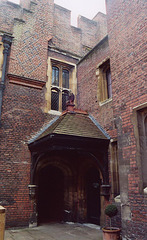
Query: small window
{"points": [[65, 78], [55, 76], [104, 81], [55, 99]]}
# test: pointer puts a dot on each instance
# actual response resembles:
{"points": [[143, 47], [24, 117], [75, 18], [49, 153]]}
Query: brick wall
{"points": [[32, 24], [31, 34], [65, 36], [101, 20], [88, 85], [126, 29], [88, 97], [23, 107], [22, 117]]}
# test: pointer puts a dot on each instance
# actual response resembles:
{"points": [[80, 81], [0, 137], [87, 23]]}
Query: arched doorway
{"points": [[93, 195], [50, 194]]}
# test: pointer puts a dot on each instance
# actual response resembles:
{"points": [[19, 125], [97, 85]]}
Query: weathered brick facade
{"points": [[41, 34], [39, 29], [127, 34]]}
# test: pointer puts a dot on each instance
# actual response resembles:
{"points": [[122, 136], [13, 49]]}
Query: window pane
{"points": [[109, 87], [65, 78], [65, 95], [55, 76], [54, 100]]}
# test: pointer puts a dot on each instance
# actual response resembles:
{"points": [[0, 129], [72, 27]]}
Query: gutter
{"points": [[7, 41]]}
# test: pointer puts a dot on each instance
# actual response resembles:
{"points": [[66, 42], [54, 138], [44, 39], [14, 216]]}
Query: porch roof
{"points": [[76, 123]]}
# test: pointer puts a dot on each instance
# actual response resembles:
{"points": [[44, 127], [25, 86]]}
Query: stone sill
{"points": [[105, 102], [54, 112]]}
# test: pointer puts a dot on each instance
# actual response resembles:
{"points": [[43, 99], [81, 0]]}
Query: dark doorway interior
{"points": [[50, 195], [93, 196]]}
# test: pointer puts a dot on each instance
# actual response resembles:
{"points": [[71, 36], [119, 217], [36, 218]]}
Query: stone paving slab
{"points": [[56, 231]]}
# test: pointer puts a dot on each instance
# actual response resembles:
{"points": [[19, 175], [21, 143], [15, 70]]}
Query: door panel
{"points": [[93, 196], [50, 195]]}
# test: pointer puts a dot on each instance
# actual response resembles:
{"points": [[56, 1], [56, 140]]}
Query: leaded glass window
{"points": [[65, 95], [55, 76], [65, 78], [55, 99]]}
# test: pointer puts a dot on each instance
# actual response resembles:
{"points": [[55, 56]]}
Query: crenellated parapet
{"points": [[33, 23]]}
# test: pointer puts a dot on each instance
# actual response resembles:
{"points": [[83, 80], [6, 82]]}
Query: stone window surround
{"points": [[100, 79], [136, 133], [72, 81]]}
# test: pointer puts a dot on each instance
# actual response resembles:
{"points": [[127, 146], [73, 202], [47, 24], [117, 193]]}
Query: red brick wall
{"points": [[22, 118], [23, 107], [88, 85], [127, 34], [126, 31], [29, 50]]}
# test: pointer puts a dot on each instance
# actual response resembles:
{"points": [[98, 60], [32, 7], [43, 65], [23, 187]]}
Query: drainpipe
{"points": [[7, 41]]}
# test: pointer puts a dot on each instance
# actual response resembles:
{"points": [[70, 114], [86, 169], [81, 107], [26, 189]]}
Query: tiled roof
{"points": [[79, 124]]}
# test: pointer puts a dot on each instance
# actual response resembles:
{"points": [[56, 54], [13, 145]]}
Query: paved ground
{"points": [[56, 231]]}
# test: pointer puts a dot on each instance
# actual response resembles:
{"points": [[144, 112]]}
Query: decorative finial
{"points": [[70, 102]]}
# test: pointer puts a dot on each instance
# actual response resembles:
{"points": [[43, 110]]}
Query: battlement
{"points": [[33, 22]]}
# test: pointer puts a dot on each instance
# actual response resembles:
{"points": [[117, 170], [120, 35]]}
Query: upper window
{"points": [[55, 76], [60, 88], [61, 81], [65, 78], [104, 81]]}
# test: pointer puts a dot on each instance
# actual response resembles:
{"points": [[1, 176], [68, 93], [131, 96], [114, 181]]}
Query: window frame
{"points": [[62, 65], [60, 87], [104, 87], [134, 120]]}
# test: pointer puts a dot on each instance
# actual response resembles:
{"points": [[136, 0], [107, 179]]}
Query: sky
{"points": [[86, 8]]}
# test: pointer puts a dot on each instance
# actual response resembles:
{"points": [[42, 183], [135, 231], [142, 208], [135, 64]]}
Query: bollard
{"points": [[2, 222]]}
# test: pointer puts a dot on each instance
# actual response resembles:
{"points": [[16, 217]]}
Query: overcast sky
{"points": [[86, 8]]}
